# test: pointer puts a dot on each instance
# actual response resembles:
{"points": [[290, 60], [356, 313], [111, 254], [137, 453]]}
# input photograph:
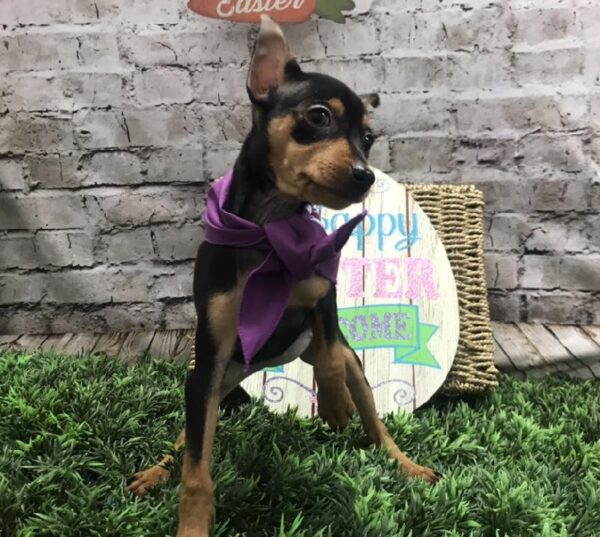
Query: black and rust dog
{"points": [[309, 144]]}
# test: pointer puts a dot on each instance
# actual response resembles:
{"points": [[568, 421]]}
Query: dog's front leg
{"points": [[216, 334], [202, 395], [334, 402], [374, 427]]}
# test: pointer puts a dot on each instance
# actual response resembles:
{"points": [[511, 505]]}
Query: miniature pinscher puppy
{"points": [[309, 144]]}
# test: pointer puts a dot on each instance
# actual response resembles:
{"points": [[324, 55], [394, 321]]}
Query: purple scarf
{"points": [[297, 248]]}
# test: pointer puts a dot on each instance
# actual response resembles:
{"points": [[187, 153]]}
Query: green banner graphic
{"points": [[394, 326]]}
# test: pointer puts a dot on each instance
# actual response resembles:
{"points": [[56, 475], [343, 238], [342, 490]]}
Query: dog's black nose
{"points": [[363, 176]]}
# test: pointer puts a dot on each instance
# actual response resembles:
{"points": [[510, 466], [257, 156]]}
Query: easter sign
{"points": [[281, 11], [397, 307]]}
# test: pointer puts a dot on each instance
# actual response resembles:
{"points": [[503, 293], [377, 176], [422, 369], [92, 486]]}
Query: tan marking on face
{"points": [[307, 293], [337, 106], [365, 122], [314, 172]]}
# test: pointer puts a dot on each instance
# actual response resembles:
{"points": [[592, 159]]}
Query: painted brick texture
{"points": [[115, 116]]}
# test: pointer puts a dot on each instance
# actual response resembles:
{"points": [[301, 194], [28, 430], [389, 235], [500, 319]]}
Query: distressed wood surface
{"points": [[109, 344], [540, 350], [183, 347], [516, 345], [549, 348], [8, 341], [378, 363], [80, 344], [572, 350], [443, 312], [593, 332], [30, 342], [56, 342], [369, 265], [164, 343], [581, 347], [503, 361], [135, 347]]}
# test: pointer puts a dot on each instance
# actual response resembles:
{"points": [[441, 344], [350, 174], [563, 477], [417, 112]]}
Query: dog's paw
{"points": [[335, 407], [141, 482], [415, 471], [191, 532]]}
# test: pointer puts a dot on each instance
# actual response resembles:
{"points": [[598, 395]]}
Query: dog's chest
{"points": [[306, 293]]}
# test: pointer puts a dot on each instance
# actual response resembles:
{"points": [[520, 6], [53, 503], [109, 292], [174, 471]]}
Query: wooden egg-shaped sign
{"points": [[281, 11], [397, 307]]}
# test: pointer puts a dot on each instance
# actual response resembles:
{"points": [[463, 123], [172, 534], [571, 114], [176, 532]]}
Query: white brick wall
{"points": [[115, 115]]}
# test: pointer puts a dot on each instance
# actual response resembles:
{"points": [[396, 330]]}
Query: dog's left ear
{"points": [[271, 61], [372, 100]]}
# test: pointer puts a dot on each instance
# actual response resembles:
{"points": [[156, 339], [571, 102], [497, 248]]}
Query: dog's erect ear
{"points": [[269, 64], [372, 100]]}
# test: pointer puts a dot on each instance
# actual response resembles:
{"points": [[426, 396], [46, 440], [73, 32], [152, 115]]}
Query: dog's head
{"points": [[316, 128]]}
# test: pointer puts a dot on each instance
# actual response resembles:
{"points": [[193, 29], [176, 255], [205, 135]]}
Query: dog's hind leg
{"points": [[141, 482]]}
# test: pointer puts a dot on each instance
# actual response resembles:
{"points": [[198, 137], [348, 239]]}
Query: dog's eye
{"points": [[318, 116], [368, 140]]}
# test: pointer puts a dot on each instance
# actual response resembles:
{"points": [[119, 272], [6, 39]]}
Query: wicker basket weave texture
{"points": [[456, 212]]}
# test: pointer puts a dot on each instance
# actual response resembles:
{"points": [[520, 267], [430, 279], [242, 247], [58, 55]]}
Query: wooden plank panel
{"points": [[135, 347], [517, 347], [442, 312], [546, 344], [255, 384], [593, 332], [7, 342], [183, 349], [582, 373], [502, 360], [580, 345], [383, 374], [80, 344], [163, 345], [576, 341], [346, 297], [110, 344], [292, 388], [56, 342], [30, 342]]}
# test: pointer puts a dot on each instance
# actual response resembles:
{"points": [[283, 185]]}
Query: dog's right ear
{"points": [[271, 61]]}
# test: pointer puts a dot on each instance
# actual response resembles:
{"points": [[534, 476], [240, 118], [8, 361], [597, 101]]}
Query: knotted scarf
{"points": [[297, 248]]}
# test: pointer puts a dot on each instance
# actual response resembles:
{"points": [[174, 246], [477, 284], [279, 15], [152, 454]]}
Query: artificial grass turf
{"points": [[524, 460]]}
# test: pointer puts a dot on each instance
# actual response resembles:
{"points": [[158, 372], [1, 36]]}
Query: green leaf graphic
{"points": [[332, 9]]}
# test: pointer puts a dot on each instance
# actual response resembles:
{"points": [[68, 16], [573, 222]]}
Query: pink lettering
{"points": [[419, 273], [411, 278], [387, 278], [354, 267]]}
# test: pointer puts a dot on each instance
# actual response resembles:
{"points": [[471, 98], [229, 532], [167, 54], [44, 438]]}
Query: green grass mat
{"points": [[524, 460]]}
